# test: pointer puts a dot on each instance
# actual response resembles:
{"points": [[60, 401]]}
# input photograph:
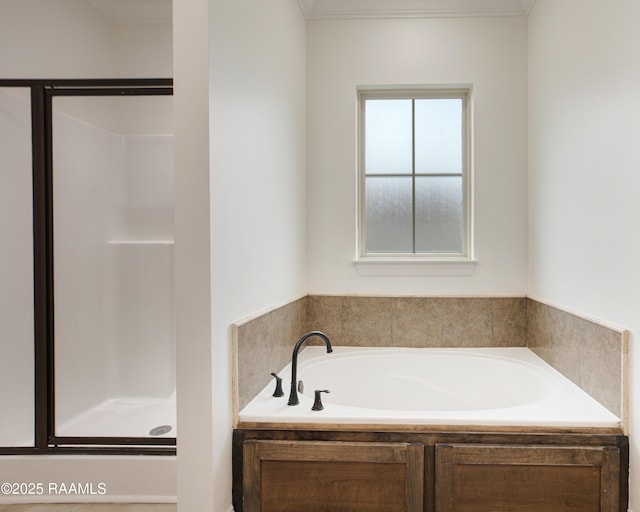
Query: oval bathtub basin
{"points": [[422, 386], [423, 380]]}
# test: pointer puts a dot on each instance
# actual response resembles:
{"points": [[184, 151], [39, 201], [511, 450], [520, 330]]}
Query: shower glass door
{"points": [[16, 272], [112, 196]]}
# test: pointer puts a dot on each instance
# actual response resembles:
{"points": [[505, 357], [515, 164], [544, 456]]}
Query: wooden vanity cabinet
{"points": [[487, 478], [377, 471], [280, 476]]}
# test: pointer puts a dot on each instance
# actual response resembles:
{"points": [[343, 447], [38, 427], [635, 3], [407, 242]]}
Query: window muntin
{"points": [[414, 173]]}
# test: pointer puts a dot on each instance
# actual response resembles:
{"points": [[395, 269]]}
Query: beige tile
{"points": [[265, 345], [564, 338], [416, 322], [297, 319], [553, 337], [324, 313], [509, 322], [366, 321], [601, 365], [587, 353], [466, 322], [256, 341], [535, 323], [278, 344]]}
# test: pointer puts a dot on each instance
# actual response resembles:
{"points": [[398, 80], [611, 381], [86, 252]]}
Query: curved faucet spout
{"points": [[293, 395]]}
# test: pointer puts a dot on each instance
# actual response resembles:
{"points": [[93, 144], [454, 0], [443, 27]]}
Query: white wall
{"points": [[583, 168], [72, 39], [258, 180], [240, 177], [54, 39], [491, 54], [143, 50], [192, 217]]}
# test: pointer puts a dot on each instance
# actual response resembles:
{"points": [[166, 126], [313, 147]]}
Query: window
{"points": [[414, 176]]}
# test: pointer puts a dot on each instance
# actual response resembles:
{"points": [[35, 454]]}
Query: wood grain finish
{"points": [[473, 478], [333, 477], [514, 458]]}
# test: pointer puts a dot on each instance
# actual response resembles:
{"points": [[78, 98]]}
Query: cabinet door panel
{"points": [[332, 477], [475, 478]]}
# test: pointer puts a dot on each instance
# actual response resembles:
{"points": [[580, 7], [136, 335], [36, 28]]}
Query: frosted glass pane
{"points": [[388, 221], [438, 135], [16, 271], [388, 137], [439, 214]]}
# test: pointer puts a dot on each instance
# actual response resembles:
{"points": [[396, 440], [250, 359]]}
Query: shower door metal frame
{"points": [[42, 93]]}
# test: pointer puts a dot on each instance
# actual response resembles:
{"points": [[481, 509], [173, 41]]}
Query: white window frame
{"points": [[416, 264]]}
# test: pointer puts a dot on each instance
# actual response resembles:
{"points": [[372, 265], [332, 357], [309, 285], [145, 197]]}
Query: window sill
{"points": [[378, 266]]}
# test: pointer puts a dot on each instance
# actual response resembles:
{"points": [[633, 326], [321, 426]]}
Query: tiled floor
{"points": [[85, 507]]}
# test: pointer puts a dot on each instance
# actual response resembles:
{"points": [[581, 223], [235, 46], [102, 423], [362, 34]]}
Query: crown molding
{"points": [[336, 9]]}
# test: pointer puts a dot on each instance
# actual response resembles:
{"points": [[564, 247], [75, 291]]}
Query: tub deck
{"points": [[559, 406]]}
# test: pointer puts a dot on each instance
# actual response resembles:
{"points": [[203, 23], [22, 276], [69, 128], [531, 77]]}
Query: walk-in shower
{"points": [[86, 219]]}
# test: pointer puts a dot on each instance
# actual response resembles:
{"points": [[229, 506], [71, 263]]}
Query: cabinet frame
{"points": [[615, 444], [501, 458], [409, 456]]}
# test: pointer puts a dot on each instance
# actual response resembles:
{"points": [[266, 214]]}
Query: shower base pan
{"points": [[124, 417]]}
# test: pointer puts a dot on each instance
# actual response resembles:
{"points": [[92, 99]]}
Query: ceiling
{"points": [[159, 11], [327, 9]]}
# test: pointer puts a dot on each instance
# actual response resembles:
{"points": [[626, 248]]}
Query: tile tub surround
{"points": [[420, 321], [263, 343], [589, 353]]}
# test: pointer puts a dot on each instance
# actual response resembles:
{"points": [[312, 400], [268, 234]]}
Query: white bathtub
{"points": [[430, 386]]}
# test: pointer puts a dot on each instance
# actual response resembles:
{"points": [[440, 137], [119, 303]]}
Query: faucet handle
{"points": [[317, 403], [278, 391]]}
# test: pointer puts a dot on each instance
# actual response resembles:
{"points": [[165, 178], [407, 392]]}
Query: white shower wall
{"points": [[143, 363], [16, 271], [141, 259], [113, 261]]}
